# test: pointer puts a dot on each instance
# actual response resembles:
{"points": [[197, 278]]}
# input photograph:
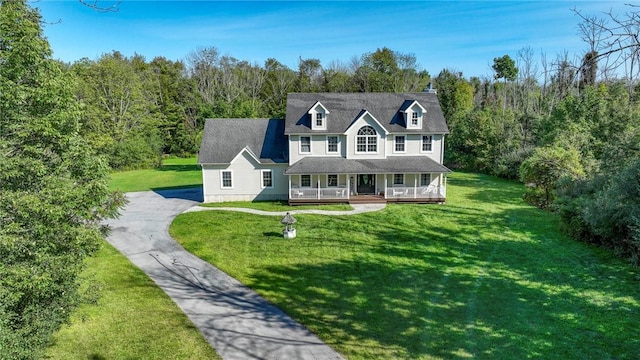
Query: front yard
{"points": [[484, 276]]}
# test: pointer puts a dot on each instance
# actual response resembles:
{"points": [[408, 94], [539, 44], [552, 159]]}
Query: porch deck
{"points": [[367, 199]]}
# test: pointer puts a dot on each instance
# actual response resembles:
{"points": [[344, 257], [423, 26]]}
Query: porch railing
{"points": [[416, 192], [319, 193]]}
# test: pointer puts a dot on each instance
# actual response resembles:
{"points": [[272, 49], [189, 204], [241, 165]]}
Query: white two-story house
{"points": [[331, 147]]}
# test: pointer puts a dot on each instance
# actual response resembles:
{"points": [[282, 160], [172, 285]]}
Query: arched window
{"points": [[367, 140]]}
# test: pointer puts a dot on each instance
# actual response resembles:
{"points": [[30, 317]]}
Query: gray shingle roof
{"points": [[345, 107], [339, 165], [223, 139]]}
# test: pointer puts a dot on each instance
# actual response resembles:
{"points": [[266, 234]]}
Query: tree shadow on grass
{"points": [[179, 168], [186, 192], [500, 286], [272, 234]]}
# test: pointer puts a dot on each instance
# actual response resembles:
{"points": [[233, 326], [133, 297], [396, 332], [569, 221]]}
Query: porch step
{"points": [[367, 199]]}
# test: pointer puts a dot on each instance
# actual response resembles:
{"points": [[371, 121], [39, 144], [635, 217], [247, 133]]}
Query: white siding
{"points": [[351, 140], [247, 181], [318, 147], [413, 146]]}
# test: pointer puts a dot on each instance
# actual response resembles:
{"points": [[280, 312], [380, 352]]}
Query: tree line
{"points": [[136, 110], [568, 128]]}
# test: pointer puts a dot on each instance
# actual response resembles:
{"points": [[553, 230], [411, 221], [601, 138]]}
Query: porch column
{"points": [[289, 194], [445, 185], [348, 186], [318, 182], [386, 190], [415, 186]]}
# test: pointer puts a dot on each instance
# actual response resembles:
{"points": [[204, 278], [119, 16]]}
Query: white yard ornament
{"points": [[289, 232]]}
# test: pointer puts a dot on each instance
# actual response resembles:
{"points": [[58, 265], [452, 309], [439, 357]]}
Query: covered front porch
{"points": [[325, 180], [367, 188]]}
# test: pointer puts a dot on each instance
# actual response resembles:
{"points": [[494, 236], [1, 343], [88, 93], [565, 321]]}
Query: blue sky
{"points": [[460, 35]]}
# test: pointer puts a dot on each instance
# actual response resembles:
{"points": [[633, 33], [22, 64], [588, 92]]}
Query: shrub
{"points": [[543, 170]]}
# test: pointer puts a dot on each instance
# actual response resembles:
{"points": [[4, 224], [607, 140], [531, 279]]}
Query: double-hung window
{"points": [[319, 119], [332, 180], [332, 144], [425, 179], [227, 179], [399, 143], [427, 143], [398, 179], [305, 180], [305, 144], [414, 118], [267, 179]]}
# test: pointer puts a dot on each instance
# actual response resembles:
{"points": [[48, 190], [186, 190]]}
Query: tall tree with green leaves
{"points": [[385, 70], [506, 69], [121, 116], [53, 188]]}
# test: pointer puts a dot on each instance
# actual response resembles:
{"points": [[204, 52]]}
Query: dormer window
{"points": [[413, 113], [318, 116], [319, 120]]}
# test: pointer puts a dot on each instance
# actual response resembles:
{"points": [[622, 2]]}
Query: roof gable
{"points": [[361, 119], [313, 108], [408, 104], [248, 151]]}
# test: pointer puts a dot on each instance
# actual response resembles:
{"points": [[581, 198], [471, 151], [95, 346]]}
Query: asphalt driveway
{"points": [[236, 321]]}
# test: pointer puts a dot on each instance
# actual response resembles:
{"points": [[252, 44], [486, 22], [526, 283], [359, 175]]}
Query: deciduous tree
{"points": [[53, 188]]}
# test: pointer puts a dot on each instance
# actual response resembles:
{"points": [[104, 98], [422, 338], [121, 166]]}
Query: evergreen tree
{"points": [[53, 189]]}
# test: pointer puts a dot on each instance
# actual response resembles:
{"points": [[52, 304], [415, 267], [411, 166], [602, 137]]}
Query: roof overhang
{"points": [[312, 109], [414, 102], [391, 165]]}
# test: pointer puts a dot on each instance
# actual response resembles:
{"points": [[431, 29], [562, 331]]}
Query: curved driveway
{"points": [[237, 322]]}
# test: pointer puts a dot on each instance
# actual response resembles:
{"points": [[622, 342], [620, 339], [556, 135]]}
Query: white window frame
{"points": [[301, 184], [394, 179], [222, 172], [429, 179], [403, 143], [301, 144], [262, 172], [337, 144], [415, 119], [367, 141], [423, 143], [337, 180], [319, 120]]}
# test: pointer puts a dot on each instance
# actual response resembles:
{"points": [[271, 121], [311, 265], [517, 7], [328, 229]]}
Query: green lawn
{"points": [[174, 172], [484, 276], [133, 319]]}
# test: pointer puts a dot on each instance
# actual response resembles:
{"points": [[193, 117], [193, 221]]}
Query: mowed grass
{"points": [[174, 172], [484, 276], [133, 319]]}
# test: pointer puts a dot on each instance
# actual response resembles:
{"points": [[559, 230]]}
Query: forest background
{"points": [[569, 128]]}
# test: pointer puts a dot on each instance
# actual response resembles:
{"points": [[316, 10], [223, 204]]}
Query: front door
{"points": [[366, 184]]}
